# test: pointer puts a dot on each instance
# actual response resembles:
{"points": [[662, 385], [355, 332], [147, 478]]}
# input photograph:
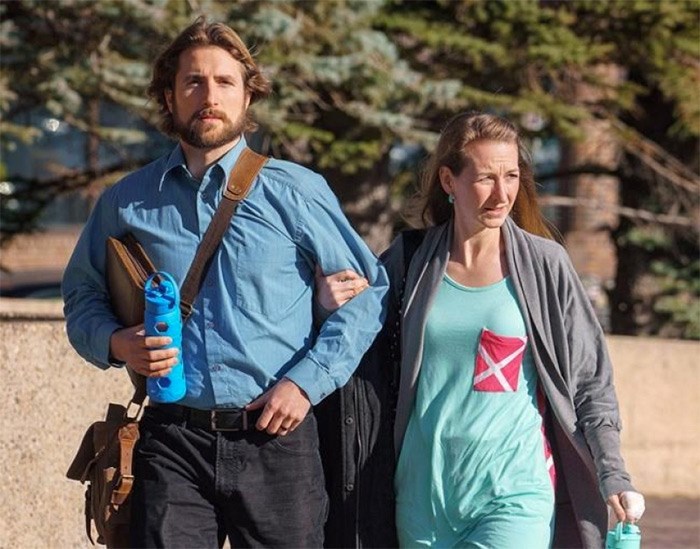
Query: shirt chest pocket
{"points": [[272, 283], [498, 362]]}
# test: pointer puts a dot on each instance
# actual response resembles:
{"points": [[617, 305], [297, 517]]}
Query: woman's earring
{"points": [[451, 198]]}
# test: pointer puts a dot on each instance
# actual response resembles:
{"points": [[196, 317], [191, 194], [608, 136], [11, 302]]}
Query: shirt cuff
{"points": [[612, 486], [104, 332], [313, 378]]}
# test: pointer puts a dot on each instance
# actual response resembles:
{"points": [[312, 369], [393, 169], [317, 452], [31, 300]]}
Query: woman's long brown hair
{"points": [[430, 205]]}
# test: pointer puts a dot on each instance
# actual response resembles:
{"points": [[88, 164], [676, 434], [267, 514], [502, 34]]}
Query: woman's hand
{"points": [[627, 506], [336, 289]]}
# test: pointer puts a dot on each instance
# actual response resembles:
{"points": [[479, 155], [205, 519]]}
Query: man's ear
{"points": [[446, 178], [168, 94]]}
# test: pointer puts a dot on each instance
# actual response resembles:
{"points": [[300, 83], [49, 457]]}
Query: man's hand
{"points": [[285, 407], [627, 506], [336, 289], [142, 354]]}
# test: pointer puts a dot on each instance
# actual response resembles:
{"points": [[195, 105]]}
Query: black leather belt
{"points": [[230, 419]]}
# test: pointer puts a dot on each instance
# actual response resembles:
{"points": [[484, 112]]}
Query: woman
{"points": [[506, 427]]}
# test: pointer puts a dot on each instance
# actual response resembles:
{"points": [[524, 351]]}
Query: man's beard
{"points": [[194, 133]]}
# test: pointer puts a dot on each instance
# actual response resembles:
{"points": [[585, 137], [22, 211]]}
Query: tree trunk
{"points": [[92, 149], [366, 200], [588, 229]]}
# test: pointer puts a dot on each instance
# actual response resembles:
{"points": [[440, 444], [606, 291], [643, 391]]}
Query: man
{"points": [[253, 359]]}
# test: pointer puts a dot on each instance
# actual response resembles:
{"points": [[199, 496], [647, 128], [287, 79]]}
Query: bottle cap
{"points": [[161, 293]]}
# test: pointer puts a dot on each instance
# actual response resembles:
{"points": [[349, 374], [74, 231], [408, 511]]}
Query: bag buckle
{"points": [[130, 414]]}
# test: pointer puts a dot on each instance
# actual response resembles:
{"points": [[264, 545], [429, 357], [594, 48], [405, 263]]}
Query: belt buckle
{"points": [[215, 427]]}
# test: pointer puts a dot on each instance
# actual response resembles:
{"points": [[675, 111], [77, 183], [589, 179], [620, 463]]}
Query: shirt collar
{"points": [[228, 161], [176, 161]]}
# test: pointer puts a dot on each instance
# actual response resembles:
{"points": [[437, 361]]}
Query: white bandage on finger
{"points": [[633, 503]]}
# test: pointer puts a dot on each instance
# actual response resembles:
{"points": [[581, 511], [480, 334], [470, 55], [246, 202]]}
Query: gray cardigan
{"points": [[569, 351]]}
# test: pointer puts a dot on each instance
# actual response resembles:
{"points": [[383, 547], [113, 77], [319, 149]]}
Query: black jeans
{"points": [[194, 487]]}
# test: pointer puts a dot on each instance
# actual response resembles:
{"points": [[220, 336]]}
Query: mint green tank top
{"points": [[474, 444]]}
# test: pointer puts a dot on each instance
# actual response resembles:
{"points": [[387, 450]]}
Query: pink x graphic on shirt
{"points": [[498, 362]]}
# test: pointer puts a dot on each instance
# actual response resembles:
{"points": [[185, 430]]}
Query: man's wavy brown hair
{"points": [[202, 34]]}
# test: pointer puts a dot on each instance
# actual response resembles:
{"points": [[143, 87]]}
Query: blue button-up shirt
{"points": [[253, 321]]}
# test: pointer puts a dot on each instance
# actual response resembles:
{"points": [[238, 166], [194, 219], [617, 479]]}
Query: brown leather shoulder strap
{"points": [[126, 437], [243, 174], [139, 383], [240, 181]]}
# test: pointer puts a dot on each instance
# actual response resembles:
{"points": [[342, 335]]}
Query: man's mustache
{"points": [[209, 113]]}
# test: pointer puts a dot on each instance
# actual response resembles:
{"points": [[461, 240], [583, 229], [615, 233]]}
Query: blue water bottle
{"points": [[624, 536], [162, 318]]}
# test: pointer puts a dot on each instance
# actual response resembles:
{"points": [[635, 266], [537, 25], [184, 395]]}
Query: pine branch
{"points": [[659, 160], [671, 220]]}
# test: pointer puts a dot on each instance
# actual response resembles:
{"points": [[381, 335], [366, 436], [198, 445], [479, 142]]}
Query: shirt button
{"points": [[349, 487], [349, 420], [209, 324]]}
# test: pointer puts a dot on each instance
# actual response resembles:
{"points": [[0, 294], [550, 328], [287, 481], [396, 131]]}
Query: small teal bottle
{"points": [[624, 536], [162, 318]]}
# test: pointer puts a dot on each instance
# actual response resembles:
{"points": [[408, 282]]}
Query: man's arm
{"points": [[347, 332], [330, 292], [92, 328], [90, 321], [326, 235]]}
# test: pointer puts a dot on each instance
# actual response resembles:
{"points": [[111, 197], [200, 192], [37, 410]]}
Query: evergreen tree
{"points": [[534, 58], [342, 97], [65, 60], [354, 78]]}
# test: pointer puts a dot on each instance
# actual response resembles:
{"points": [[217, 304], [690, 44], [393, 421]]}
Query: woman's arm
{"points": [[595, 401]]}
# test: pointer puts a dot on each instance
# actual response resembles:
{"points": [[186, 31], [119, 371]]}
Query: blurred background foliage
{"points": [[361, 89]]}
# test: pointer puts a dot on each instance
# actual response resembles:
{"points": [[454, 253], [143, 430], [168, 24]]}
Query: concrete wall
{"points": [[51, 396], [658, 387], [48, 249]]}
